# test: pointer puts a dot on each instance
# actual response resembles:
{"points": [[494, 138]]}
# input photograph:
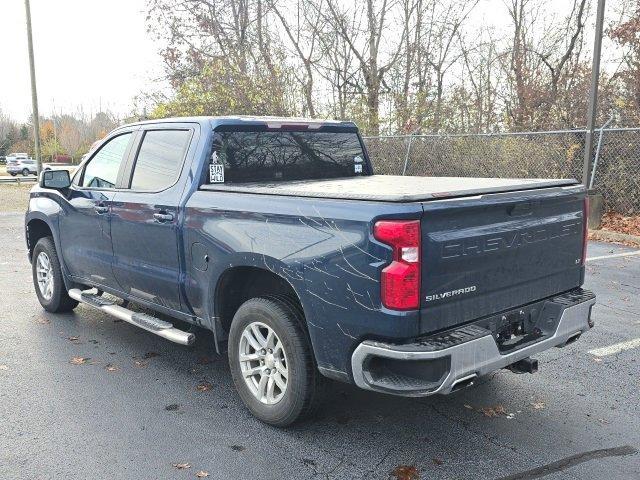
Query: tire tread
{"points": [[64, 303], [287, 311]]}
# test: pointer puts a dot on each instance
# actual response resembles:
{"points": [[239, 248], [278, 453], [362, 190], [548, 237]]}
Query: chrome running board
{"points": [[142, 320]]}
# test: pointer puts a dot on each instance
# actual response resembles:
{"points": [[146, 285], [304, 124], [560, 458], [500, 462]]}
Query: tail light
{"points": [[585, 228], [400, 280]]}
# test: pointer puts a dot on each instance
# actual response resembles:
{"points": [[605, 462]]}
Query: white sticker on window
{"points": [[216, 173]]}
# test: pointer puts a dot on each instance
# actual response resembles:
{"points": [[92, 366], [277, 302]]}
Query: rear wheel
{"points": [[13, 174], [47, 278], [271, 362]]}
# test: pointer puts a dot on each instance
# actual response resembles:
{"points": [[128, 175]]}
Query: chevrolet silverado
{"points": [[276, 235]]}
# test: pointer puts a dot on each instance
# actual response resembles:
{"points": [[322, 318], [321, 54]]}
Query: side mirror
{"points": [[55, 179]]}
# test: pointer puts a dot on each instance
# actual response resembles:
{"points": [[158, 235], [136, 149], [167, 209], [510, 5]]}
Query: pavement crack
{"points": [[573, 460], [377, 465], [465, 426]]}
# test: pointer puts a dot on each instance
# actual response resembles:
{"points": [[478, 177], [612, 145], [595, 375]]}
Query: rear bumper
{"points": [[440, 363]]}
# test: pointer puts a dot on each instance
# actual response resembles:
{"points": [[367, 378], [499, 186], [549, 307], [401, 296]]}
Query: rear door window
{"points": [[102, 169], [258, 156], [160, 159]]}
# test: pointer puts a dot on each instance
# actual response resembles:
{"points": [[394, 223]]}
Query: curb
{"points": [[609, 236]]}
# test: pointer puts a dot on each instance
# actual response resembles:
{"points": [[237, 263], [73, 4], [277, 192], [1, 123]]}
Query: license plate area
{"points": [[515, 329], [525, 325]]}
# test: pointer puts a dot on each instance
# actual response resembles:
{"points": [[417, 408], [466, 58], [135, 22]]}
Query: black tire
{"points": [[305, 383], [60, 300], [13, 174], [25, 172]]}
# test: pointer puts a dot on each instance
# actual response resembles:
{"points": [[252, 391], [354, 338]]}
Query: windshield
{"points": [[248, 156]]}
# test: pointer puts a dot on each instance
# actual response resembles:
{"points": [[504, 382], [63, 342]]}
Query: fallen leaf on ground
{"points": [[173, 406], [621, 223], [202, 474], [43, 321], [597, 359], [73, 339], [494, 411], [468, 406], [181, 466], [4, 367], [204, 360], [79, 360], [140, 364], [238, 448], [405, 472], [438, 461], [150, 355], [538, 405], [111, 368], [204, 386]]}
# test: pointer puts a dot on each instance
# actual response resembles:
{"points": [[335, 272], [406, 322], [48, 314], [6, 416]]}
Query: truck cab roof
{"points": [[270, 122]]}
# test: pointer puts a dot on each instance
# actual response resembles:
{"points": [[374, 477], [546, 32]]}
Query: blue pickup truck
{"points": [[276, 235]]}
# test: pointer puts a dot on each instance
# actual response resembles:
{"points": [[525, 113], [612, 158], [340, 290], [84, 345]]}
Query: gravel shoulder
{"points": [[14, 197]]}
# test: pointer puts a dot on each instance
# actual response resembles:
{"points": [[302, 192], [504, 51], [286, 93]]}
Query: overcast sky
{"points": [[85, 50]]}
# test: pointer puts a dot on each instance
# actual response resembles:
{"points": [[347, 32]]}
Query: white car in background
{"points": [[21, 163]]}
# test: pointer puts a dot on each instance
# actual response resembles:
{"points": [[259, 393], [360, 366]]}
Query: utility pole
{"points": [[593, 96], [34, 93]]}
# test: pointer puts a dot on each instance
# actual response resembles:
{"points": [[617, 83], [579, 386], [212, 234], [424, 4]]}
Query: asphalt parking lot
{"points": [[84, 396]]}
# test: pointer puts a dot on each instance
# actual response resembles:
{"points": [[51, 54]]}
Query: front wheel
{"points": [[13, 174], [272, 363], [47, 278], [25, 172]]}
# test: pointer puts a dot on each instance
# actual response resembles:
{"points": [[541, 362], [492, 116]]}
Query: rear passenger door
{"points": [[144, 223]]}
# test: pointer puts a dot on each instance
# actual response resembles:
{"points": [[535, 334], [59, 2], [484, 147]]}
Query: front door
{"points": [[144, 223], [85, 227]]}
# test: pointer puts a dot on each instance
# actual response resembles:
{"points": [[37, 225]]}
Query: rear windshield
{"points": [[267, 156]]}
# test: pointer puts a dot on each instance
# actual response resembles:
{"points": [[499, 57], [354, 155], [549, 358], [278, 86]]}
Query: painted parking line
{"points": [[616, 348], [614, 255]]}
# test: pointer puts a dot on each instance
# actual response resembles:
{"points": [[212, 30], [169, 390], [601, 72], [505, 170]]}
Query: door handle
{"points": [[163, 217], [101, 209]]}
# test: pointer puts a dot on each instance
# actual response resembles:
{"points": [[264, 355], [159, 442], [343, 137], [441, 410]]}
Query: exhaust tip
{"points": [[463, 382]]}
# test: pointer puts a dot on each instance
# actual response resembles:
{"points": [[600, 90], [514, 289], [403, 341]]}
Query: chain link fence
{"points": [[554, 154]]}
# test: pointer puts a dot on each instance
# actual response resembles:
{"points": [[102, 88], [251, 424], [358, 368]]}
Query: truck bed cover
{"points": [[391, 188]]}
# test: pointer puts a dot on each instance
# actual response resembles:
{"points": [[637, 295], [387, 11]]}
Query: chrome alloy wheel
{"points": [[44, 273], [263, 363]]}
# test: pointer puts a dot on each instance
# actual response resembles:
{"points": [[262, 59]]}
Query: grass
{"points": [[14, 197]]}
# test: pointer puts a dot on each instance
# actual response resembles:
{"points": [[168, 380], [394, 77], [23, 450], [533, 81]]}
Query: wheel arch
{"points": [[238, 284], [37, 228], [39, 225]]}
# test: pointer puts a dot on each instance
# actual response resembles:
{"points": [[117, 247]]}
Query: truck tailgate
{"points": [[487, 254]]}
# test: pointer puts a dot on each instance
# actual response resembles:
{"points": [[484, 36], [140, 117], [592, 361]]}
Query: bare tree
{"points": [[364, 40], [537, 64], [304, 37], [442, 53]]}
